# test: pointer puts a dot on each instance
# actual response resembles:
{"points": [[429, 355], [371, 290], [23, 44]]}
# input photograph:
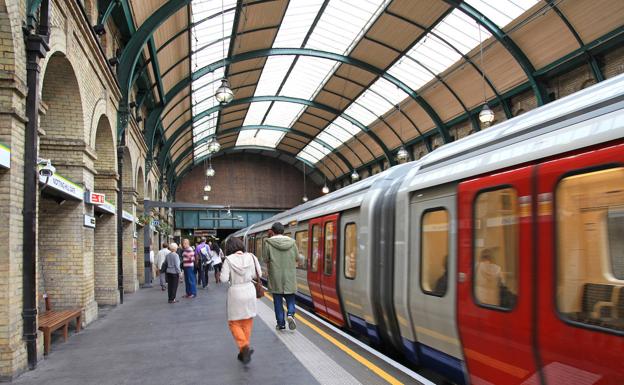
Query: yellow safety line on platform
{"points": [[376, 369]]}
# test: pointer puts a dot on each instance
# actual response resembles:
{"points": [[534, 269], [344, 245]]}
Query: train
{"points": [[494, 259]]}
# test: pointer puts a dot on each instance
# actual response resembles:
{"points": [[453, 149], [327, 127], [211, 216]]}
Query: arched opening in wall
{"points": [[140, 192], [105, 238], [150, 194], [65, 244]]}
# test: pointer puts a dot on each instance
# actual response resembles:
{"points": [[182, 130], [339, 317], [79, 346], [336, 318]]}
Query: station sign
{"points": [[5, 156], [94, 198], [63, 186], [89, 221], [106, 207], [126, 216]]}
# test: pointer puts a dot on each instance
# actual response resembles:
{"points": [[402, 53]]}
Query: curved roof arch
{"points": [[390, 56]]}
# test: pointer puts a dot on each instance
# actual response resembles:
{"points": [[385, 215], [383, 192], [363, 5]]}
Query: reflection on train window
{"points": [[329, 248], [301, 239], [496, 248], [250, 242], [258, 252], [316, 236], [434, 252], [350, 250], [590, 248]]}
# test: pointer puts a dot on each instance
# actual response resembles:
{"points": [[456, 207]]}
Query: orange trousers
{"points": [[241, 331]]}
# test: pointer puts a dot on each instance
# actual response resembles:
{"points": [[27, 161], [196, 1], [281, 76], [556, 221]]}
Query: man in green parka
{"points": [[280, 254]]}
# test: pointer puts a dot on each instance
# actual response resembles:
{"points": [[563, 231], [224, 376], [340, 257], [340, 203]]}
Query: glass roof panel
{"points": [[501, 12], [282, 114], [210, 42], [273, 74], [307, 156], [255, 113], [296, 23], [262, 138]]}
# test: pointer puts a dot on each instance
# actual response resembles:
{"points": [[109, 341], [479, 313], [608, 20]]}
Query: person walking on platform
{"points": [[160, 260], [280, 254], [217, 259], [202, 256], [172, 269], [188, 263], [239, 268]]}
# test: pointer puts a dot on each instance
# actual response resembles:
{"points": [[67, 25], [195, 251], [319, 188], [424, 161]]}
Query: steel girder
{"points": [[170, 141], [515, 51], [236, 130]]}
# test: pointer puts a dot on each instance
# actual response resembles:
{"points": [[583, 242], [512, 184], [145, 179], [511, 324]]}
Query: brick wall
{"points": [[247, 181]]}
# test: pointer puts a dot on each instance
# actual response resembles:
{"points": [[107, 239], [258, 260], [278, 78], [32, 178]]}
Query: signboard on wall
{"points": [[5, 156], [94, 198], [61, 185], [89, 221]]}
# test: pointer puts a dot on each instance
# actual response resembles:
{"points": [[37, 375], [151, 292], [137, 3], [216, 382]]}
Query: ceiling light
{"points": [[402, 154], [213, 146], [224, 93], [355, 176], [325, 189], [304, 199], [207, 188], [205, 197], [210, 171], [486, 116]]}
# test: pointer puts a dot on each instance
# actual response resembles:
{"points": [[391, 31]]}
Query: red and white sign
{"points": [[95, 198]]}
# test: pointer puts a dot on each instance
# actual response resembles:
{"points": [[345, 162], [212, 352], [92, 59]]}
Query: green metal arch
{"points": [[188, 150], [188, 124]]}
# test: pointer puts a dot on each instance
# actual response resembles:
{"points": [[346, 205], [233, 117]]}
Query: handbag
{"points": [[258, 282], [163, 268]]}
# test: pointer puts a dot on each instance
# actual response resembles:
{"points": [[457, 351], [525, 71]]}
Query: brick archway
{"points": [[105, 234]]}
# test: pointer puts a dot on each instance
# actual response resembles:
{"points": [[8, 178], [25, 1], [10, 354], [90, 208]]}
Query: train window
{"points": [[316, 237], [496, 248], [590, 248], [259, 248], [250, 242], [329, 248], [350, 250], [301, 239], [434, 252]]}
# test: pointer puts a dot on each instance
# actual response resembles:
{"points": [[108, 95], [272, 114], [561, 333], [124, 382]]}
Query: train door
{"points": [[314, 262], [433, 252], [581, 275], [326, 247], [495, 277]]}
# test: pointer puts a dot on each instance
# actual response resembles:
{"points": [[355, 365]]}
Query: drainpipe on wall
{"points": [[120, 153], [36, 49]]}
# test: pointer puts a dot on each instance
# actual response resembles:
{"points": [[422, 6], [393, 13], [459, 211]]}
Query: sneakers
{"points": [[292, 325], [278, 327]]}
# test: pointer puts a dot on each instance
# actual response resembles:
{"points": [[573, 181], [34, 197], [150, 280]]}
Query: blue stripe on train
{"points": [[362, 327], [447, 365]]}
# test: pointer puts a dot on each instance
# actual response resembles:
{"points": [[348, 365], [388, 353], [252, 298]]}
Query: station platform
{"points": [[148, 341]]}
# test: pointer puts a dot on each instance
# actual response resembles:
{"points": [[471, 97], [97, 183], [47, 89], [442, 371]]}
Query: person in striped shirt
{"points": [[188, 264]]}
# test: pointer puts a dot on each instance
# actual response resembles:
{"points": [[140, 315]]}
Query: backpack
{"points": [[205, 255]]}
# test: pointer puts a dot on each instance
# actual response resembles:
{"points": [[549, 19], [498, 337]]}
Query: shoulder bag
{"points": [[257, 282]]}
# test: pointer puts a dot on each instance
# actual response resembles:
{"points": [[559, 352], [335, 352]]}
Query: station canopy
{"points": [[339, 84]]}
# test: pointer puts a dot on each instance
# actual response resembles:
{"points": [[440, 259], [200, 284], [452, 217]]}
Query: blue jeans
{"points": [[279, 307], [189, 281]]}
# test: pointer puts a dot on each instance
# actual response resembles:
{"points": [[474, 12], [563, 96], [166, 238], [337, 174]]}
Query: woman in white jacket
{"points": [[239, 268]]}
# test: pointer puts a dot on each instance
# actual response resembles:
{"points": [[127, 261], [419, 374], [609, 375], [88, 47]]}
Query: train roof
{"points": [[343, 199], [588, 117]]}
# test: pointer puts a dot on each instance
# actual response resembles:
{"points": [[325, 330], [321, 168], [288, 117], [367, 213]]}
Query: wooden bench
{"points": [[51, 321]]}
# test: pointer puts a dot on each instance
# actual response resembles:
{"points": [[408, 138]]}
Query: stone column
{"points": [[131, 283], [140, 264]]}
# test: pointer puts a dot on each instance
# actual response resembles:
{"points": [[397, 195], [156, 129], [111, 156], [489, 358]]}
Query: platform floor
{"points": [[148, 341]]}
